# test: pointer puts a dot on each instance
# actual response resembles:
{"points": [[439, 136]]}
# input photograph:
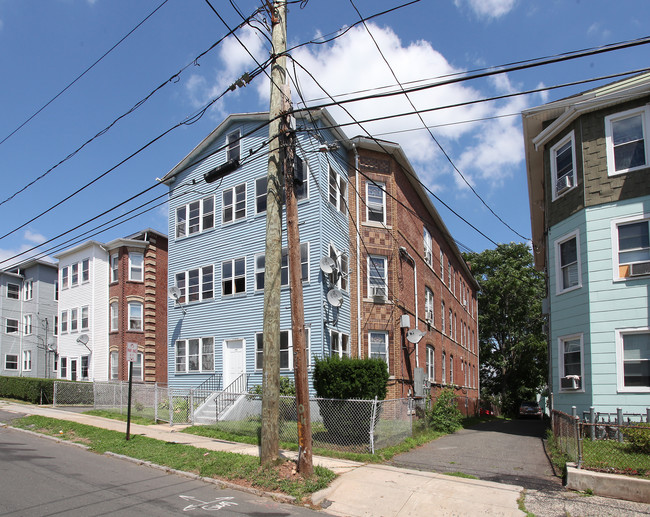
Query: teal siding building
{"points": [[588, 166]]}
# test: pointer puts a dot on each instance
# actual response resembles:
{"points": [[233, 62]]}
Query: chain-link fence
{"points": [[604, 444]]}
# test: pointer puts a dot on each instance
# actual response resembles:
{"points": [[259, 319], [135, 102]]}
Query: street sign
{"points": [[131, 352]]}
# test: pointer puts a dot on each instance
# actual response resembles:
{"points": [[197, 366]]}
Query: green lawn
{"points": [[612, 456]]}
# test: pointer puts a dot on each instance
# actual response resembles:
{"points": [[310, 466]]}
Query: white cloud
{"points": [[34, 238], [595, 29], [490, 9]]}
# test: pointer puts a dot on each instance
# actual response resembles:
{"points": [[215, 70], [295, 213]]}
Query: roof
{"points": [[560, 114]]}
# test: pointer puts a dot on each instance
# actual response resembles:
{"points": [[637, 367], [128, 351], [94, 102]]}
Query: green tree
{"points": [[513, 351]]}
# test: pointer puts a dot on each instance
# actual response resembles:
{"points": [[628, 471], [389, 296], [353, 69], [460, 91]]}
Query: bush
{"points": [[345, 378], [30, 389], [287, 388], [639, 437], [444, 415]]}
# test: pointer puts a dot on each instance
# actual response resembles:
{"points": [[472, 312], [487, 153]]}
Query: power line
{"points": [[81, 75]]}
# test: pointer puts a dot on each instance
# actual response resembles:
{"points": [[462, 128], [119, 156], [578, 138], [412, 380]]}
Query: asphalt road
{"points": [[504, 451], [41, 477]]}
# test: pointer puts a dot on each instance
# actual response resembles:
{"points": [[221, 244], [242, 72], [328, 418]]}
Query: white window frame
{"points": [[237, 213], [372, 354], [260, 194], [339, 343], [616, 269], [205, 219], [85, 271], [431, 364], [115, 267], [84, 318], [64, 322], [114, 308], [63, 370], [205, 276], [204, 356], [620, 360], [427, 242], [342, 260], [138, 367], [134, 318], [559, 273], [374, 275], [429, 303], [84, 369], [9, 362], [27, 360], [136, 267], [16, 290], [233, 145], [338, 190], [444, 368], [570, 138], [64, 277], [15, 327], [451, 369], [644, 113], [114, 365], [74, 274], [560, 361], [233, 278], [74, 319], [370, 204], [28, 290], [286, 353], [304, 265], [27, 324]]}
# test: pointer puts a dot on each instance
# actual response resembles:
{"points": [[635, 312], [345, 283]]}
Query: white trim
{"points": [[645, 116], [553, 159], [560, 362], [615, 223], [559, 289], [382, 188], [385, 334], [620, 363]]}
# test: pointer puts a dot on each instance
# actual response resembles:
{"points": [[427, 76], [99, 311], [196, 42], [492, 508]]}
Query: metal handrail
{"points": [[224, 399], [206, 388]]}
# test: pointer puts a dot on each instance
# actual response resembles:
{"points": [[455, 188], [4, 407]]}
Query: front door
{"points": [[73, 369], [234, 363]]}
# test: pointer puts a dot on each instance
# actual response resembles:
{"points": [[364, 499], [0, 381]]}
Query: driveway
{"points": [[503, 451]]}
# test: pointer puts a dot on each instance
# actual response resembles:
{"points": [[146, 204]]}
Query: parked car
{"points": [[485, 412], [531, 409]]}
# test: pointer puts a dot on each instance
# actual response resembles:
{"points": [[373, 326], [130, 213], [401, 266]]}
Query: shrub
{"points": [[30, 389], [444, 415], [287, 388], [639, 437]]}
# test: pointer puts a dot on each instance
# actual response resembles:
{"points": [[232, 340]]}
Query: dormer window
{"points": [[626, 134], [563, 172], [232, 143]]}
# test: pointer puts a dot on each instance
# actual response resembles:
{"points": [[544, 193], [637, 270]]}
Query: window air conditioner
{"points": [[564, 183], [428, 316], [640, 268], [570, 382], [428, 258], [379, 293]]}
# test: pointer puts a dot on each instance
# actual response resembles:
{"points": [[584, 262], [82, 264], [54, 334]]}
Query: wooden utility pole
{"points": [[270, 447], [305, 463]]}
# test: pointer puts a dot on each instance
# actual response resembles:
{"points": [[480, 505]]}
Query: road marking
{"points": [[216, 504]]}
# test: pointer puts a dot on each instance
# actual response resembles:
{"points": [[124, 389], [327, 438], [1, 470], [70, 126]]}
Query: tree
{"points": [[512, 341]]}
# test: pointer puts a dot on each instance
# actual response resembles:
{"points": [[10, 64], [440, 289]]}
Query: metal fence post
{"points": [[171, 406], [592, 429], [155, 402], [574, 412], [56, 383], [619, 418], [578, 439], [372, 426], [191, 407]]}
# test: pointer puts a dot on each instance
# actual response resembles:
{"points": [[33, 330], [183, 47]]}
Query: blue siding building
{"points": [[588, 165]]}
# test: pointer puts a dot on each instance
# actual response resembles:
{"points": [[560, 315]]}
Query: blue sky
{"points": [[46, 45]]}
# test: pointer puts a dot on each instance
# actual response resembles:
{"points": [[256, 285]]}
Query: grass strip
{"points": [[116, 415], [204, 462]]}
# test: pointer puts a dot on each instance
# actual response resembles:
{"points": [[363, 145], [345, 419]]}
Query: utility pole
{"points": [[270, 447], [305, 463]]}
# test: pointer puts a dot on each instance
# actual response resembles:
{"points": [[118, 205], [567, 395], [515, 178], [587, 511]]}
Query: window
{"points": [[304, 264], [137, 367], [195, 217], [27, 324], [85, 270], [232, 143], [451, 369], [233, 277], [115, 263], [339, 280], [339, 344], [85, 363], [633, 253], [442, 314], [64, 277], [633, 360], [431, 364], [260, 194], [195, 355], [570, 362], [28, 290], [136, 266], [135, 316], [115, 365], [301, 173], [428, 248], [286, 349], [444, 367], [74, 320], [234, 203], [376, 202], [563, 173], [442, 265], [84, 318], [64, 368], [115, 322], [56, 291], [379, 345], [74, 275], [11, 326], [27, 360], [338, 190], [55, 329], [625, 136], [11, 362], [428, 306], [64, 322], [13, 291], [377, 282], [451, 329], [199, 283], [567, 252]]}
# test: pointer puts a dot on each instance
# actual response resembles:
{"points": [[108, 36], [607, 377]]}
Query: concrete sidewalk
{"points": [[359, 490]]}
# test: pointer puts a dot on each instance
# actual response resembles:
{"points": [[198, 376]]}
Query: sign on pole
{"points": [[131, 352]]}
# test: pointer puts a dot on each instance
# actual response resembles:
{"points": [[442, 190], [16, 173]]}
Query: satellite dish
{"points": [[174, 293], [335, 297], [83, 339], [414, 336], [328, 265]]}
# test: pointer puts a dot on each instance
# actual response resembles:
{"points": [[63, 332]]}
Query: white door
{"points": [[234, 363]]}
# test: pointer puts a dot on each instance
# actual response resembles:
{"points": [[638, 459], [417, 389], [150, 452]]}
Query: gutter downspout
{"points": [[21, 327], [358, 245]]}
